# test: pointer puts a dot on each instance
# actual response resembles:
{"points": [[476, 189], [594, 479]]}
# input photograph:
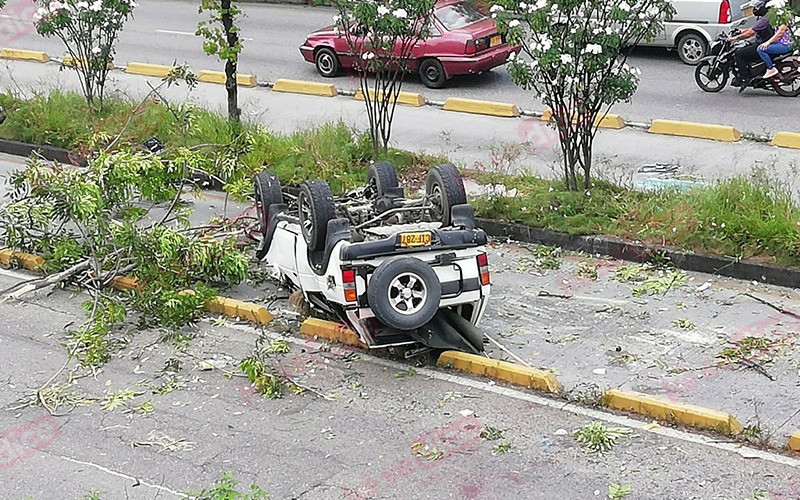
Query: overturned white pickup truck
{"points": [[398, 271]]}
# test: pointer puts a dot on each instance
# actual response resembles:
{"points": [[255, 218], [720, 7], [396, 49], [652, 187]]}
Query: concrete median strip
{"points": [[786, 140], [219, 77], [490, 108], [71, 62], [406, 98], [530, 378], [722, 133], [145, 69], [328, 330], [24, 55], [233, 308], [794, 442], [609, 121], [26, 260], [672, 411], [301, 87]]}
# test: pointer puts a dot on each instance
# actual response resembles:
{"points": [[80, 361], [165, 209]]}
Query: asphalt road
{"points": [[163, 32]]}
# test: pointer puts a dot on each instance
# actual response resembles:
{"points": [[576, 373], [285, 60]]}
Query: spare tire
{"points": [[444, 188], [381, 178], [404, 293], [315, 208]]}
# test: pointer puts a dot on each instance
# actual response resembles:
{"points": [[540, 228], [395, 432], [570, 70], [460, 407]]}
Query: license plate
{"points": [[495, 41], [415, 239]]}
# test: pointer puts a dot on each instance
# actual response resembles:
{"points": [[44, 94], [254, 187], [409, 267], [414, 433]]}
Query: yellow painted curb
{"points": [[794, 442], [238, 309], [501, 370], [614, 122], [26, 260], [481, 107], [786, 140], [698, 130], [671, 411], [136, 68], [407, 98], [125, 283], [300, 87], [69, 61], [329, 330], [24, 55], [220, 78]]}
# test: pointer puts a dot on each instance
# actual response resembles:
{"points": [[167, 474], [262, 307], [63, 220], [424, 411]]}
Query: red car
{"points": [[463, 41]]}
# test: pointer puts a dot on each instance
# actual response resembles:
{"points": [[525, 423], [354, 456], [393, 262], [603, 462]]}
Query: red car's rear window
{"points": [[458, 15]]}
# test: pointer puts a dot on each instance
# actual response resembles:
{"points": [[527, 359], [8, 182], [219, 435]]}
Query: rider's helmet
{"points": [[759, 8]]}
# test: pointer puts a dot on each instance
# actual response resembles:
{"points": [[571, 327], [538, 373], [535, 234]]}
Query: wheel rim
{"points": [[436, 201], [692, 50], [372, 188], [707, 81], [261, 209], [793, 85], [325, 62], [407, 293], [432, 73], [306, 221]]}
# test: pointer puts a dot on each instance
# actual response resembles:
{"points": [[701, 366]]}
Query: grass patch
{"points": [[597, 438]]}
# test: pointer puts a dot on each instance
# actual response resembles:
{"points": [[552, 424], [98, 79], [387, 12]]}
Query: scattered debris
{"points": [[597, 438], [490, 433], [599, 371], [684, 324], [774, 306], [165, 442], [618, 491], [502, 447], [427, 452], [561, 432], [406, 373]]}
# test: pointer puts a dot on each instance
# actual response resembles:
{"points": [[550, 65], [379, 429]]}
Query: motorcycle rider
{"points": [[763, 32]]}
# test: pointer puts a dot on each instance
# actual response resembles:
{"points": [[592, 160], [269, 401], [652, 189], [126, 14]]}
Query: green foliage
{"points": [[89, 31], [490, 433], [217, 36], [263, 378], [618, 491], [117, 399], [226, 488], [503, 446], [91, 340], [278, 347], [597, 438]]}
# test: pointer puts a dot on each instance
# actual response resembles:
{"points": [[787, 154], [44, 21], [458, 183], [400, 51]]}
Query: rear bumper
{"points": [[468, 65], [445, 240]]}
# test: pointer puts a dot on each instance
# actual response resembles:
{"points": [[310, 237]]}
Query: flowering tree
{"points": [[574, 57], [222, 39], [381, 36], [89, 32], [781, 14]]}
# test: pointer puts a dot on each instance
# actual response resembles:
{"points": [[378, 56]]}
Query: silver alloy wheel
{"points": [[306, 220], [407, 293], [692, 50], [325, 63], [436, 201]]}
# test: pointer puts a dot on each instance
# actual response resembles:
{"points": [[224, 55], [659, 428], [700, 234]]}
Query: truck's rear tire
{"points": [[445, 188], [268, 192], [381, 177], [315, 208], [404, 293]]}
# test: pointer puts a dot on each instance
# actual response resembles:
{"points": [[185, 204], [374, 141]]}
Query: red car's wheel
{"points": [[432, 74], [327, 62]]}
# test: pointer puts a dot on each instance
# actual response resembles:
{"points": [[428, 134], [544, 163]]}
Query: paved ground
{"points": [[472, 141], [353, 440], [162, 32]]}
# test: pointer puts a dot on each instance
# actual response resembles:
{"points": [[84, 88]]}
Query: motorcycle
{"points": [[713, 71]]}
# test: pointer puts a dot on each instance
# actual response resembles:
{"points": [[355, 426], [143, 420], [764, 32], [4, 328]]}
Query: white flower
{"points": [[566, 59], [778, 4], [513, 24], [593, 48], [609, 31], [523, 5], [96, 50], [367, 56], [97, 6], [623, 6], [54, 7], [496, 8], [512, 56], [82, 5], [337, 19], [382, 10], [400, 14], [541, 4]]}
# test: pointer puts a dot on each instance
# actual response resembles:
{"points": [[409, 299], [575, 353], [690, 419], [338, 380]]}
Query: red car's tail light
{"points": [[724, 12], [483, 268], [349, 284], [470, 48]]}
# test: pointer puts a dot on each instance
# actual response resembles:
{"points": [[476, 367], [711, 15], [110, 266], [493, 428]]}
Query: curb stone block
{"points": [[722, 133], [336, 332], [794, 442], [68, 60], [786, 140], [407, 98], [672, 411], [503, 109], [125, 283], [158, 70], [219, 77], [609, 121], [502, 370], [24, 55], [301, 87], [26, 260], [233, 308]]}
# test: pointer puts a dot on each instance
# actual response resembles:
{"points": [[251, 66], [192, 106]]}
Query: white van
{"points": [[696, 24]]}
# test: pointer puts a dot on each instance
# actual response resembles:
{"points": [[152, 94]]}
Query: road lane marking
{"points": [[173, 32], [556, 404]]}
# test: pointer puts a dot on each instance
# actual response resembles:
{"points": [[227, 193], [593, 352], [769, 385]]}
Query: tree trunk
{"points": [[234, 113]]}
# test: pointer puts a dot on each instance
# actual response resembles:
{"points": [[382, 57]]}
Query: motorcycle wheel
{"points": [[708, 82], [791, 86]]}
